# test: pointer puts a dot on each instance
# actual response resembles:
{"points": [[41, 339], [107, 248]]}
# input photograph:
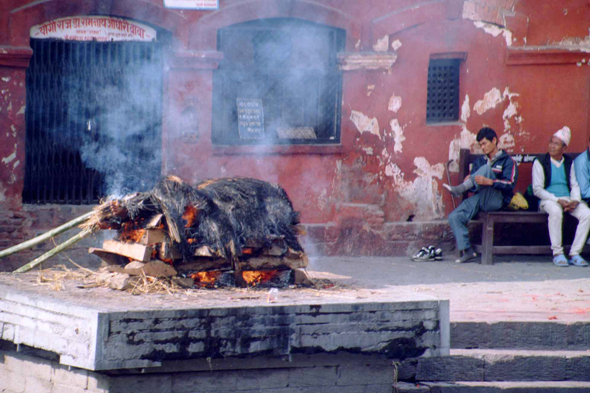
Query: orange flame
{"points": [[257, 277], [129, 233], [190, 215], [206, 279]]}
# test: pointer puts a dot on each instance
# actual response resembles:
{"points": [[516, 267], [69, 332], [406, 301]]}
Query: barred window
{"points": [[278, 83], [443, 90], [93, 120]]}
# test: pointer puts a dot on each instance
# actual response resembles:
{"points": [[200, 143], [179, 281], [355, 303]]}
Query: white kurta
{"points": [[550, 205]]}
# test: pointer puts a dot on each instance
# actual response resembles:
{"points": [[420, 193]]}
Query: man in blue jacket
{"points": [[492, 178], [582, 168]]}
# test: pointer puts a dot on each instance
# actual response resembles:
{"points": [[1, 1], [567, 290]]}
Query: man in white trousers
{"points": [[555, 184]]}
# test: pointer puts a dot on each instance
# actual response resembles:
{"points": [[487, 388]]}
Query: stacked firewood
{"points": [[227, 230]]}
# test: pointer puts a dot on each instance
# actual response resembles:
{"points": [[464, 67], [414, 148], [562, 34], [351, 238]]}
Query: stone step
{"points": [[550, 335], [492, 387], [500, 365]]}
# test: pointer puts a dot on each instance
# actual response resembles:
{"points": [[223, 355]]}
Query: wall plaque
{"points": [[94, 28], [192, 4], [250, 118]]}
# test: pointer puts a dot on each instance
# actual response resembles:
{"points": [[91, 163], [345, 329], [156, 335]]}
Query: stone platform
{"points": [[103, 330]]}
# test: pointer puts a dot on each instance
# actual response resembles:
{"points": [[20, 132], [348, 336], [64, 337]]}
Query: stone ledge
{"points": [[104, 330]]}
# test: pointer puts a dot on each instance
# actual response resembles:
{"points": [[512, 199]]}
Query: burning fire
{"points": [[190, 215], [129, 233], [206, 279], [257, 277]]}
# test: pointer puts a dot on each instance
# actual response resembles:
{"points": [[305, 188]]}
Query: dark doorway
{"points": [[93, 120]]}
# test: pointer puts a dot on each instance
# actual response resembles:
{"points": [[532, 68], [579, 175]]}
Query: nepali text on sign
{"points": [[192, 4], [250, 118], [94, 28]]}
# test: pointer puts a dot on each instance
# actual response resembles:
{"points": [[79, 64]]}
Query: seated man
{"points": [[492, 178], [582, 168], [555, 184]]}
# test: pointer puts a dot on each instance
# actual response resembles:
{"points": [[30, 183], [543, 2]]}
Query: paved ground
{"points": [[513, 289]]}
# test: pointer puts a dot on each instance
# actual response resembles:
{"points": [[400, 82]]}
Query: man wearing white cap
{"points": [[555, 184]]}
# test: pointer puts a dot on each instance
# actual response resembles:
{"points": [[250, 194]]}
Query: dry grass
{"points": [[101, 212]]}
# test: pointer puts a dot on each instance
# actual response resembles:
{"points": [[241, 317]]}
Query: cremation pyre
{"points": [[219, 232]]}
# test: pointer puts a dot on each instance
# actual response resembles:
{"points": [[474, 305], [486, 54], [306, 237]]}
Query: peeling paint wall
{"points": [[12, 119], [390, 163]]}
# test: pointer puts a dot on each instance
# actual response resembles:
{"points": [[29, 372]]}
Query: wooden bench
{"points": [[489, 219]]}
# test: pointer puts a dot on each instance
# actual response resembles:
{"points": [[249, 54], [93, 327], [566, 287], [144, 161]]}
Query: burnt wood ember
{"points": [[215, 224]]}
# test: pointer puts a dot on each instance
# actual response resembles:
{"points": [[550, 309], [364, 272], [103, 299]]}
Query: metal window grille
{"points": [[286, 68], [79, 103], [443, 91]]}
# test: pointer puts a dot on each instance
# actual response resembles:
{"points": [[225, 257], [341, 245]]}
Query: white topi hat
{"points": [[564, 134]]}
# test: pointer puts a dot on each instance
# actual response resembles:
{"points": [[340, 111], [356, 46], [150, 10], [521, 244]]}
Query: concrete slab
{"points": [[522, 288], [102, 329]]}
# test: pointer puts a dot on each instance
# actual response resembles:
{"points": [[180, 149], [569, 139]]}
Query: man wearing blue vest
{"points": [[555, 184]]}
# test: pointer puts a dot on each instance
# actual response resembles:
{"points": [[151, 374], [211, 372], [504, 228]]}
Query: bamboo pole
{"points": [[47, 235], [81, 235]]}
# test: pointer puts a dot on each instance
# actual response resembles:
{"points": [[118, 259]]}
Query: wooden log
{"points": [[53, 252], [152, 236], [155, 221], [203, 265], [203, 251], [168, 252], [277, 249], [301, 277], [184, 282], [139, 252], [117, 280], [270, 262], [152, 269], [47, 235], [108, 257]]}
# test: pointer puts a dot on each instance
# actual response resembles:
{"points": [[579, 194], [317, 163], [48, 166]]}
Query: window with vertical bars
{"points": [[278, 83], [443, 91], [93, 120]]}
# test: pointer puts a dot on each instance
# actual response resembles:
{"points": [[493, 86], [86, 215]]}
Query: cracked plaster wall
{"points": [[389, 158], [12, 110]]}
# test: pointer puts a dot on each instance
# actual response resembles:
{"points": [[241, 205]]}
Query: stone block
{"points": [[524, 368], [450, 368], [141, 383], [401, 231], [405, 387], [316, 232], [260, 380], [204, 381], [365, 375], [14, 381], [98, 383], [72, 377], [313, 376], [577, 368], [40, 368], [59, 388], [37, 385]]}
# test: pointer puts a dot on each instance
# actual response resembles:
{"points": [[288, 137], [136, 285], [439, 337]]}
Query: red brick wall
{"points": [[357, 197]]}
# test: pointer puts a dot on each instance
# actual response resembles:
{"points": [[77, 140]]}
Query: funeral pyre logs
{"points": [[237, 231]]}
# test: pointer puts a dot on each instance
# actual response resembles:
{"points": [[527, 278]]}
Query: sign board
{"points": [[192, 4], [94, 28], [250, 118]]}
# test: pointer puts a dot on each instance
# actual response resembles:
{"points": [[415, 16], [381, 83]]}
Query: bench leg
{"points": [[487, 241]]}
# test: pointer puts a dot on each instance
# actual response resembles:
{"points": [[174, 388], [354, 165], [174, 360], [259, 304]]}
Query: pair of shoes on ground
{"points": [[429, 253], [466, 255], [562, 261]]}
